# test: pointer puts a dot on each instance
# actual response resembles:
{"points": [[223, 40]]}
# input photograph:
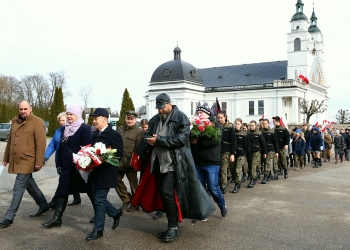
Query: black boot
{"points": [[56, 221], [258, 175], [251, 184], [285, 173], [264, 181], [235, 190], [320, 162], [243, 178], [76, 200], [315, 163], [275, 177], [52, 203], [270, 177], [280, 171]]}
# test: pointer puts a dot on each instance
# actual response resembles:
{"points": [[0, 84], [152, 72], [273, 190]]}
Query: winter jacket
{"points": [[228, 139], [243, 145], [283, 136], [53, 145], [270, 140], [316, 142], [298, 146], [257, 141]]}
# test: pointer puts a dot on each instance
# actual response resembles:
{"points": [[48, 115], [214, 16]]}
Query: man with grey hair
{"points": [[25, 154]]}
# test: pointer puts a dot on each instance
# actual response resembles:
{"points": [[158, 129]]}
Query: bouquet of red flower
{"points": [[203, 127], [89, 157]]}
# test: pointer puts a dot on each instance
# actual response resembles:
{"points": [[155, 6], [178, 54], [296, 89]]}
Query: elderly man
{"points": [[25, 154], [167, 160], [103, 177], [132, 136]]}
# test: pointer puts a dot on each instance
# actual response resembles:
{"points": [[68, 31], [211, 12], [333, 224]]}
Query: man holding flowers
{"points": [[103, 177]]}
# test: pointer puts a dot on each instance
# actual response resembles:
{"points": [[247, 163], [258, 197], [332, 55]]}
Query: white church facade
{"points": [[251, 90]]}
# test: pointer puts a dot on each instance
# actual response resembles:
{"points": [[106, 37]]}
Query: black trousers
{"points": [[166, 183]]}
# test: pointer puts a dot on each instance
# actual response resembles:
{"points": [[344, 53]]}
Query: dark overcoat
{"points": [[70, 181], [193, 200], [105, 175]]}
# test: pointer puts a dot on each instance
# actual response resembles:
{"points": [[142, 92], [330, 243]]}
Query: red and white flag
{"points": [[304, 79]]}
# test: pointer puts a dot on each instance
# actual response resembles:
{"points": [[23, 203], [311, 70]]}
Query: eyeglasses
{"points": [[23, 109]]}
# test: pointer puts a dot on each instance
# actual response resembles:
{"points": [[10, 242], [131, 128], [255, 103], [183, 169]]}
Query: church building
{"points": [[249, 91]]}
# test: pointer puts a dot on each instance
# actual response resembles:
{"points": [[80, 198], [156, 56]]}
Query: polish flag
{"points": [[283, 122], [324, 126], [263, 116], [304, 78]]}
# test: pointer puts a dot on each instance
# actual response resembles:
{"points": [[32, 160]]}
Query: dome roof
{"points": [[175, 70]]}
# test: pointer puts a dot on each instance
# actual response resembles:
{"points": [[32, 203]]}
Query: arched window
{"points": [[297, 44]]}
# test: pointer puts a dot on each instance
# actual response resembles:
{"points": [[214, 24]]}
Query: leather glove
{"points": [[58, 170]]}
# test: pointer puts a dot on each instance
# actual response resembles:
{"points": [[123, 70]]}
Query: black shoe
{"points": [[275, 177], [223, 210], [223, 191], [251, 184], [93, 219], [243, 178], [270, 177], [239, 185], [52, 205], [75, 202], [170, 234], [117, 218], [264, 181], [285, 174], [235, 190], [6, 223], [255, 180], [40, 212], [158, 215], [95, 235]]}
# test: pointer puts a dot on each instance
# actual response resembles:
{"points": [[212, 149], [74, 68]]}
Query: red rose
{"points": [[201, 128], [197, 122], [98, 151]]}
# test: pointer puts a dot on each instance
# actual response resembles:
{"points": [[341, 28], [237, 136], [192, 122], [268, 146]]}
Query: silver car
{"points": [[4, 131]]}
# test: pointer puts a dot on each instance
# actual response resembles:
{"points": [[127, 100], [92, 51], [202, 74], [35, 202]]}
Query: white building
{"points": [[251, 90]]}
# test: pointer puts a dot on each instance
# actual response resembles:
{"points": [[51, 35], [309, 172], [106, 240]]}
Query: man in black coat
{"points": [[104, 177]]}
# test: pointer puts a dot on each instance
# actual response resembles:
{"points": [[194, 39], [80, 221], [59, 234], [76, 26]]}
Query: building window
{"points": [[224, 107], [251, 107], [260, 107], [297, 44], [193, 107]]}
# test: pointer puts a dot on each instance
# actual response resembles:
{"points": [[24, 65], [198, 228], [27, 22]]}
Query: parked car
{"points": [[4, 131]]}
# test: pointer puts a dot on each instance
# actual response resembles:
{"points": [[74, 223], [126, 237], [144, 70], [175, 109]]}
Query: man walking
{"points": [[132, 136], [25, 154], [283, 138], [272, 151]]}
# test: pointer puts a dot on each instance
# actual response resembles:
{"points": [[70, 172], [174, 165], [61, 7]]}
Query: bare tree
{"points": [[311, 108], [343, 116], [142, 110], [57, 79], [86, 94], [8, 89]]}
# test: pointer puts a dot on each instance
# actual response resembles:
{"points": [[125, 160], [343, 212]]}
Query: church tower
{"points": [[299, 44]]}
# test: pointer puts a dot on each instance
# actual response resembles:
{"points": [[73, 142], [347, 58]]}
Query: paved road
{"points": [[309, 210]]}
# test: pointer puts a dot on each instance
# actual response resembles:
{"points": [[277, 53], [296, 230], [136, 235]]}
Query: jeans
{"points": [[209, 177]]}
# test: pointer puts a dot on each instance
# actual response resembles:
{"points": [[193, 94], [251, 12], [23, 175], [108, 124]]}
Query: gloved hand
{"points": [[58, 170], [321, 148]]}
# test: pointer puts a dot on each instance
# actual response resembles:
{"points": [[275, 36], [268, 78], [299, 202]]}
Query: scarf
{"points": [[71, 128]]}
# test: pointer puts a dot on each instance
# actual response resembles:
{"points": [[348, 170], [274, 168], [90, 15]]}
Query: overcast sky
{"points": [[113, 45]]}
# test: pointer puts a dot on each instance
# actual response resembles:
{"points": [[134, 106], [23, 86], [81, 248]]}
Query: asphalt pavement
{"points": [[309, 210]]}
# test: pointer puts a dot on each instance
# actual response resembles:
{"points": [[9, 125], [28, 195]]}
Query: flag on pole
{"points": [[263, 116], [283, 121], [218, 107]]}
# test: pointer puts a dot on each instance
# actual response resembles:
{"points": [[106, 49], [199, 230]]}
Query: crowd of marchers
{"points": [[180, 169]]}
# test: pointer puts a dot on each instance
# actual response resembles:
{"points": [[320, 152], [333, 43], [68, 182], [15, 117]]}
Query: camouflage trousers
{"points": [[224, 170], [255, 162], [299, 160], [237, 167], [282, 160], [245, 165], [270, 162]]}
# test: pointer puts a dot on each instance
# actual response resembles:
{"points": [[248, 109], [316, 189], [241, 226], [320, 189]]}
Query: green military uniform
{"points": [[228, 148], [283, 138], [240, 158], [272, 148], [257, 146], [132, 137]]}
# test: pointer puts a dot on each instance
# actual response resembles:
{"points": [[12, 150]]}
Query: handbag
{"points": [[136, 161]]}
